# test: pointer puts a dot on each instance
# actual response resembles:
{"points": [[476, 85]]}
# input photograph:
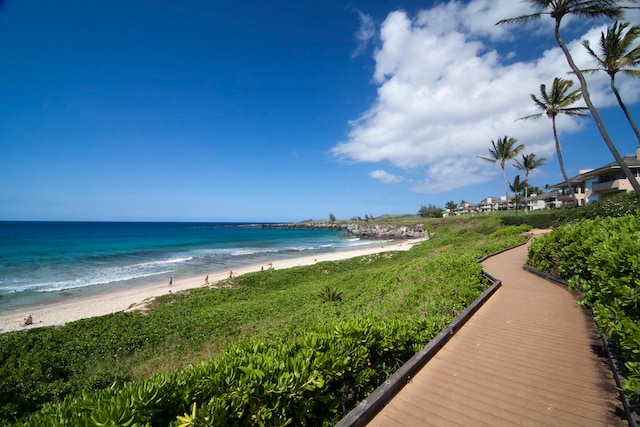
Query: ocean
{"points": [[44, 262]]}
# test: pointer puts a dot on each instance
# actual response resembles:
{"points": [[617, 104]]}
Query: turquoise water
{"points": [[48, 261]]}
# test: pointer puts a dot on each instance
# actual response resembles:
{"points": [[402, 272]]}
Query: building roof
{"points": [[545, 196]]}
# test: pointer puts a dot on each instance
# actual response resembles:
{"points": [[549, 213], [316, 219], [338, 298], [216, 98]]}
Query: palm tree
{"points": [[534, 189], [503, 151], [558, 9], [616, 54], [552, 104], [518, 187], [529, 162]]}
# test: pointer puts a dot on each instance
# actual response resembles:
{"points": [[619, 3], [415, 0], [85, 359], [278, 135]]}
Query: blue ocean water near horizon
{"points": [[49, 261]]}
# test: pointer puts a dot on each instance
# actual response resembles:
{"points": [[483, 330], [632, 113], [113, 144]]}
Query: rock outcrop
{"points": [[387, 231], [356, 229]]}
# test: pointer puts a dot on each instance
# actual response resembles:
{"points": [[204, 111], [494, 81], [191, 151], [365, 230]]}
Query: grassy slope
{"points": [[197, 324]]}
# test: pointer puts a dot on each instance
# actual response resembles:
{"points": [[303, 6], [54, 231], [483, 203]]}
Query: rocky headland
{"points": [[361, 230]]}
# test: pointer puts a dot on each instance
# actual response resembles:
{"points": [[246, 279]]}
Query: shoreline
{"points": [[100, 304]]}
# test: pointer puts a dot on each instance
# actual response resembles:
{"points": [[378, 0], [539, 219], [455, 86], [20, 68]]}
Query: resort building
{"points": [[490, 204], [465, 208], [597, 184], [544, 201]]}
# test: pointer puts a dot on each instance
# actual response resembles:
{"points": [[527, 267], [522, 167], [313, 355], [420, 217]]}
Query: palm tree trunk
{"points": [[594, 112], [526, 194], [624, 109], [564, 173], [506, 187]]}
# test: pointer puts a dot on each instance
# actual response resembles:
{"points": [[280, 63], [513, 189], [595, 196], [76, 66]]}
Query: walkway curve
{"points": [[530, 356]]}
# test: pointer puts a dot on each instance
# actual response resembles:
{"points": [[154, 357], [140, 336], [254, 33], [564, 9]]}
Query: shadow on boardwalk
{"points": [[530, 356]]}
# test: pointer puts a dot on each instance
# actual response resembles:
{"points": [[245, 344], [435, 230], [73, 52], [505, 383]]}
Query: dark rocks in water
{"points": [[298, 226]]}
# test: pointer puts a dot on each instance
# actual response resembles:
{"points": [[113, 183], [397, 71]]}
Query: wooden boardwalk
{"points": [[529, 357]]}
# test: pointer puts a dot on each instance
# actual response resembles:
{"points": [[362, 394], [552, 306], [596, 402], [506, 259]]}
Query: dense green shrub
{"points": [[309, 379], [601, 257], [330, 295], [614, 206], [511, 230], [541, 220]]}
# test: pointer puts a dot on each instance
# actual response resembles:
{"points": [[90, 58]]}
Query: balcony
{"points": [[611, 186]]}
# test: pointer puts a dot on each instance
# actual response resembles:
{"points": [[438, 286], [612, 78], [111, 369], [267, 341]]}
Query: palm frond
{"points": [[588, 71], [575, 111], [487, 159], [524, 19], [530, 117], [557, 101], [615, 50], [595, 8]]}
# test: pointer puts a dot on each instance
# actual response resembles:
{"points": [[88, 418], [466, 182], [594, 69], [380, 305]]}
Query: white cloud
{"points": [[385, 177], [366, 32], [477, 17], [444, 92]]}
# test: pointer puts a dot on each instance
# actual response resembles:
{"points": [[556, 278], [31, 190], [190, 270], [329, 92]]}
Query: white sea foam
{"points": [[133, 254], [93, 278]]}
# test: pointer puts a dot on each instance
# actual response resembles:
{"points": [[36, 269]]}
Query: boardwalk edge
{"points": [[632, 411], [370, 406]]}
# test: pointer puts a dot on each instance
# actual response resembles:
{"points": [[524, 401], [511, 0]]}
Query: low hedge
{"points": [[540, 220]]}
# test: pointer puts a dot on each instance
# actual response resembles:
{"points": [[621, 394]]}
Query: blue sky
{"points": [[277, 111]]}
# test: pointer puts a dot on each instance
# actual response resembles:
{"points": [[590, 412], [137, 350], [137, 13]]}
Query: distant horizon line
{"points": [[150, 221]]}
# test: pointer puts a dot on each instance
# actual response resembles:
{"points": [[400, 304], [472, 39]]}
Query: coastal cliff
{"points": [[387, 231], [358, 229]]}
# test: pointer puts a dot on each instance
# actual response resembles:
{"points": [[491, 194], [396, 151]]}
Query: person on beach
{"points": [[170, 281], [231, 274], [28, 320], [206, 280]]}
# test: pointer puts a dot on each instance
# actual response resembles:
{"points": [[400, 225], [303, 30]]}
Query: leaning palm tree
{"points": [[518, 187], [556, 102], [558, 9], [503, 151], [616, 53], [528, 163]]}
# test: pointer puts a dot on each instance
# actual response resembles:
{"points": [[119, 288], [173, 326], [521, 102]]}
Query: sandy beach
{"points": [[83, 307]]}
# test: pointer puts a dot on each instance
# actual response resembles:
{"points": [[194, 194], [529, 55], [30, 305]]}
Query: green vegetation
{"points": [[431, 211], [262, 350], [535, 219], [601, 257], [615, 206]]}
